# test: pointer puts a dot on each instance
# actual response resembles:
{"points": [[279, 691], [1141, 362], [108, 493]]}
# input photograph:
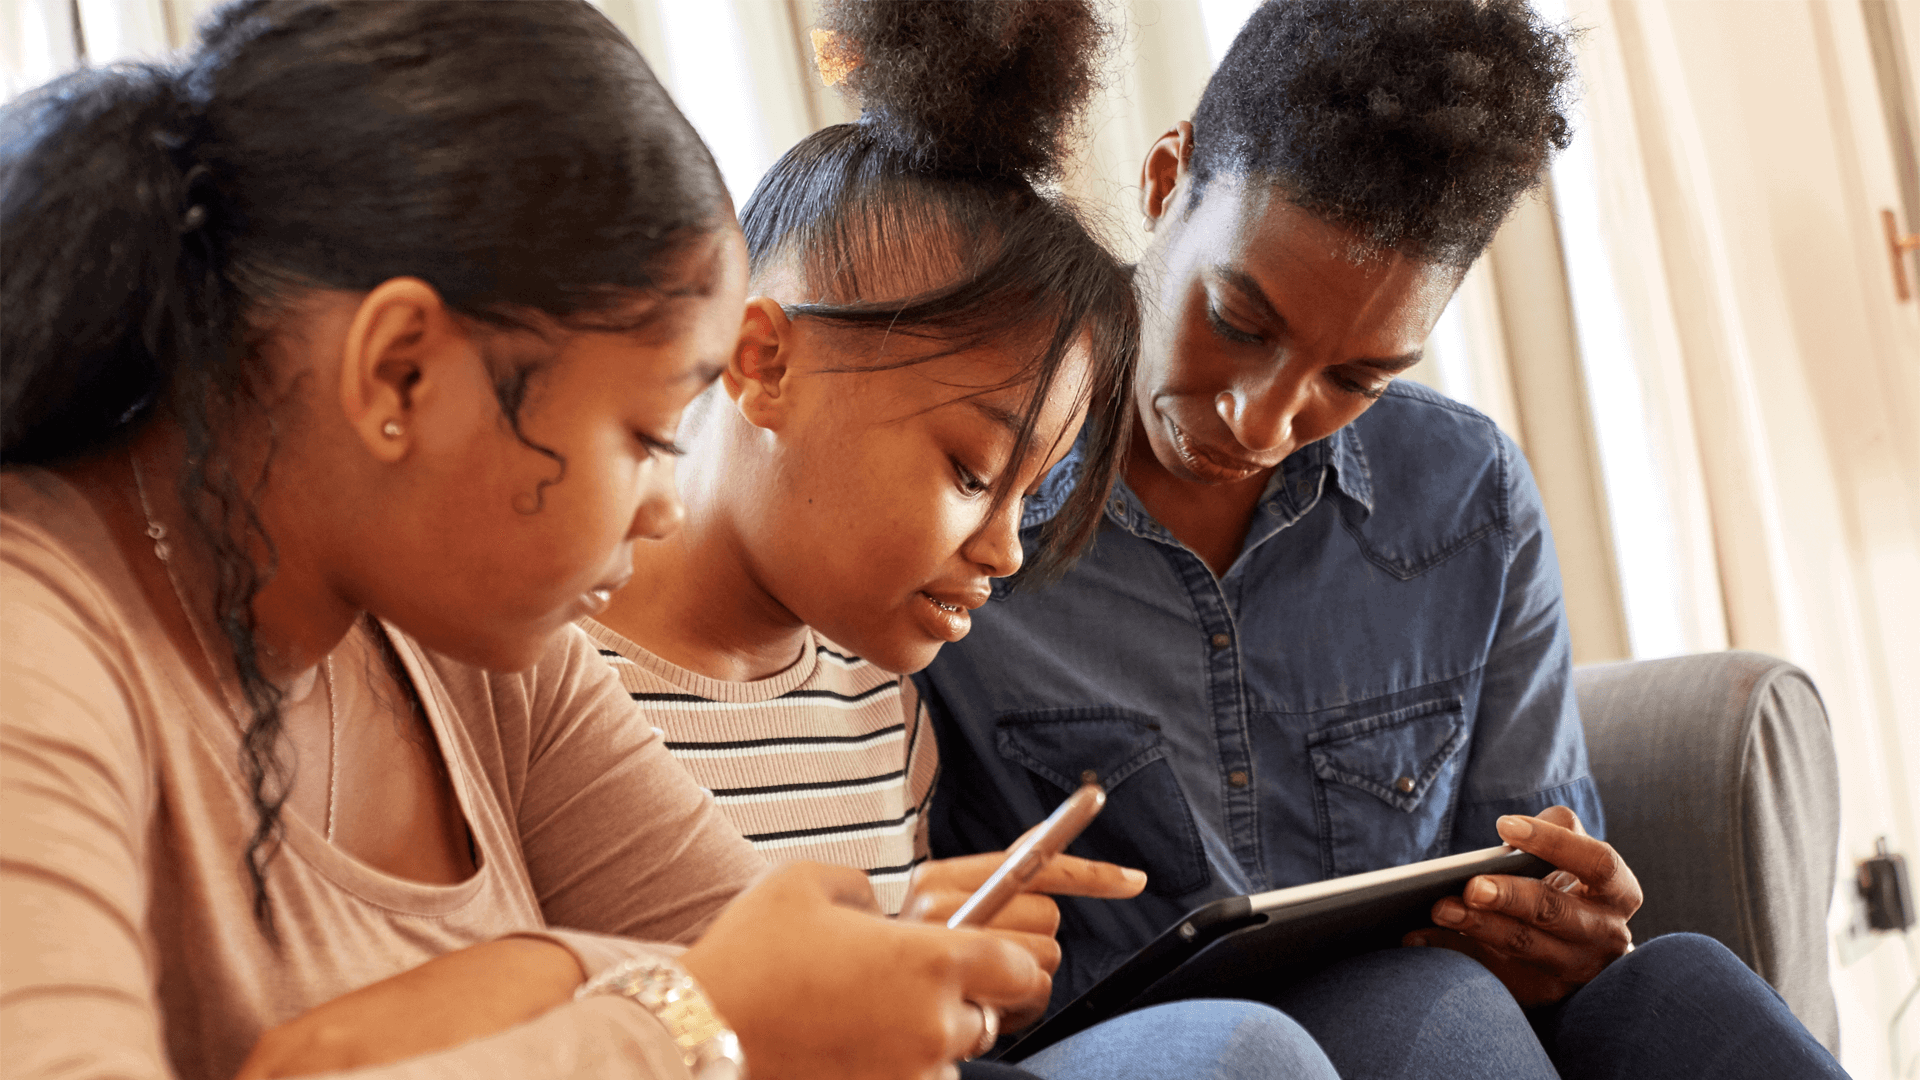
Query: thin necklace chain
{"points": [[164, 552]]}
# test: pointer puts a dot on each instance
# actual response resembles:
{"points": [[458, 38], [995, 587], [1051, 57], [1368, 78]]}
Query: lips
{"points": [[1208, 464], [945, 613], [597, 598]]}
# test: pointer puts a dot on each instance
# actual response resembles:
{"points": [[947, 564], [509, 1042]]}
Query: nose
{"points": [[996, 547], [660, 513], [1261, 417]]}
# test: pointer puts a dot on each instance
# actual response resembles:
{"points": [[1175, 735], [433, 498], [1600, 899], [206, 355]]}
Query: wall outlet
{"points": [[1888, 893]]}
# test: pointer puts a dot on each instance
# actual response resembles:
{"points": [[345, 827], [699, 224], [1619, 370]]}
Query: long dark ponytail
{"points": [[966, 110], [518, 156]]}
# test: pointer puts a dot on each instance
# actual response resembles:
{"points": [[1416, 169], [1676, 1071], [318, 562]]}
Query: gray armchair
{"points": [[1721, 790]]}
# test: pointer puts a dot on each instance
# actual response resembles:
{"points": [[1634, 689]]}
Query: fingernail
{"points": [[1416, 942], [1480, 891], [1133, 877], [1515, 826], [1450, 913]]}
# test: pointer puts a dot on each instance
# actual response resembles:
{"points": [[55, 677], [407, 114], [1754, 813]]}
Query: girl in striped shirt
{"points": [[927, 334]]}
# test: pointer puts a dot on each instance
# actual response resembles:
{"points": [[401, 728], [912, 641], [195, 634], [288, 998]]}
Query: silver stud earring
{"points": [[391, 429]]}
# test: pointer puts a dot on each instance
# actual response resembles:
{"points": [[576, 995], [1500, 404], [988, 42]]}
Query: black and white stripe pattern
{"points": [[831, 760]]}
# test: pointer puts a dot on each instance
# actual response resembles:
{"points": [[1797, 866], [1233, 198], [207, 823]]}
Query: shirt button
{"points": [[1238, 778], [1221, 641], [1405, 784], [1117, 506], [1088, 776]]}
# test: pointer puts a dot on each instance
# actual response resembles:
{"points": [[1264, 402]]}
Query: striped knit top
{"points": [[831, 760]]}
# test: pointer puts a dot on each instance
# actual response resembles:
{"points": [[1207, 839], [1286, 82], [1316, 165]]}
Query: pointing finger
{"points": [[1070, 875]]}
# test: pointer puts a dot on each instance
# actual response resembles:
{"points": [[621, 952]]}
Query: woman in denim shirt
{"points": [[1321, 631]]}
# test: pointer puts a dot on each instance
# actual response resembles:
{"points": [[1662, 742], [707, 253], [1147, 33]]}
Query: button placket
{"points": [[1227, 708]]}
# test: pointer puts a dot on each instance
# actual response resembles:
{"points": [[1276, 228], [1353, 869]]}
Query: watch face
{"points": [[710, 1049], [720, 1058], [719, 1068]]}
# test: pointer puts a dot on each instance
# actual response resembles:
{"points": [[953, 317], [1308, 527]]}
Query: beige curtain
{"points": [[1742, 160]]}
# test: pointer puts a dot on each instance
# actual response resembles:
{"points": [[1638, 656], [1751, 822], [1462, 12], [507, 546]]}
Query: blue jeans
{"points": [[1680, 1006], [1188, 1040], [1434, 1014]]}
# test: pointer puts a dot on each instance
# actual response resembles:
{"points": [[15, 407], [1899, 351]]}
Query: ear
{"points": [[756, 377], [400, 348], [1165, 169]]}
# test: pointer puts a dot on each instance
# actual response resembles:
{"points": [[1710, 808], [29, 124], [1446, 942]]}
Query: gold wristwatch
{"points": [[663, 988]]}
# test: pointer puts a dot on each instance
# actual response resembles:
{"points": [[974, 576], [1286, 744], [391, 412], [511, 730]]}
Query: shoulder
{"points": [[1440, 476], [1424, 449], [72, 683], [1413, 427], [63, 586]]}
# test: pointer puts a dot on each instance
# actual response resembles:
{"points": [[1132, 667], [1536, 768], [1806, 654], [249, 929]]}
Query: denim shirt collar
{"points": [[1293, 489]]}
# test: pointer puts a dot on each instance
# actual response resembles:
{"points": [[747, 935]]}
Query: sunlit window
{"points": [[1222, 19], [708, 74], [1646, 544]]}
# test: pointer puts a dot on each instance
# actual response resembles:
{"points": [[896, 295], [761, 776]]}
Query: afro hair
{"points": [[1414, 124]]}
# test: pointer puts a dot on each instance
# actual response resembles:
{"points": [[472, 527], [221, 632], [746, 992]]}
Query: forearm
{"points": [[464, 998], [609, 1038]]}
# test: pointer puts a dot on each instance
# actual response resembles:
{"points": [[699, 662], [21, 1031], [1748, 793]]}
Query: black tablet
{"points": [[1239, 946]]}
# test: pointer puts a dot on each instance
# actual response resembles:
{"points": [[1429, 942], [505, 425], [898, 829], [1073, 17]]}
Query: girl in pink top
{"points": [[340, 363]]}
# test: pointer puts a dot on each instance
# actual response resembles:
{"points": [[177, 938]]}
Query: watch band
{"points": [[709, 1048]]}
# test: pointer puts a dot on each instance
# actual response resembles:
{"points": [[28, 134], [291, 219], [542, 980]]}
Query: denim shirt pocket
{"points": [[1384, 784], [1146, 822]]}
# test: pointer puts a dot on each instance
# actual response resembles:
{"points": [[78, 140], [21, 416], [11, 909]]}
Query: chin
{"points": [[909, 659], [888, 654], [501, 653]]}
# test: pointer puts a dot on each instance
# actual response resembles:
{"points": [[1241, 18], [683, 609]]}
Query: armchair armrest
{"points": [[1721, 790]]}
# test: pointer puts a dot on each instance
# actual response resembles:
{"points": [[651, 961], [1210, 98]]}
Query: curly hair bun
{"points": [[965, 86]]}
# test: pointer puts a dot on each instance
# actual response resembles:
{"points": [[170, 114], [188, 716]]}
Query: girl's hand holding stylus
{"points": [[816, 982], [1030, 920]]}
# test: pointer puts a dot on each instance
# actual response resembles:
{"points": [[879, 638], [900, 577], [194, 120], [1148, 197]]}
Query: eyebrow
{"points": [[1005, 418], [1249, 290], [1391, 365]]}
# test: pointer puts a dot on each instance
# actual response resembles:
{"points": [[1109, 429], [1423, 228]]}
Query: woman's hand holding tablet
{"points": [[1544, 938]]}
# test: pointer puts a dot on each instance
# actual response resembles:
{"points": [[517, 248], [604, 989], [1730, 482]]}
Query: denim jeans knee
{"points": [[1430, 1013], [1203, 1039], [1683, 1006]]}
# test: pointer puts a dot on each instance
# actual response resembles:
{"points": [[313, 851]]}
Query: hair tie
{"points": [[832, 58]]}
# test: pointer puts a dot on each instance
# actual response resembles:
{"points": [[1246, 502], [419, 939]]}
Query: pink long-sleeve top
{"points": [[128, 946]]}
